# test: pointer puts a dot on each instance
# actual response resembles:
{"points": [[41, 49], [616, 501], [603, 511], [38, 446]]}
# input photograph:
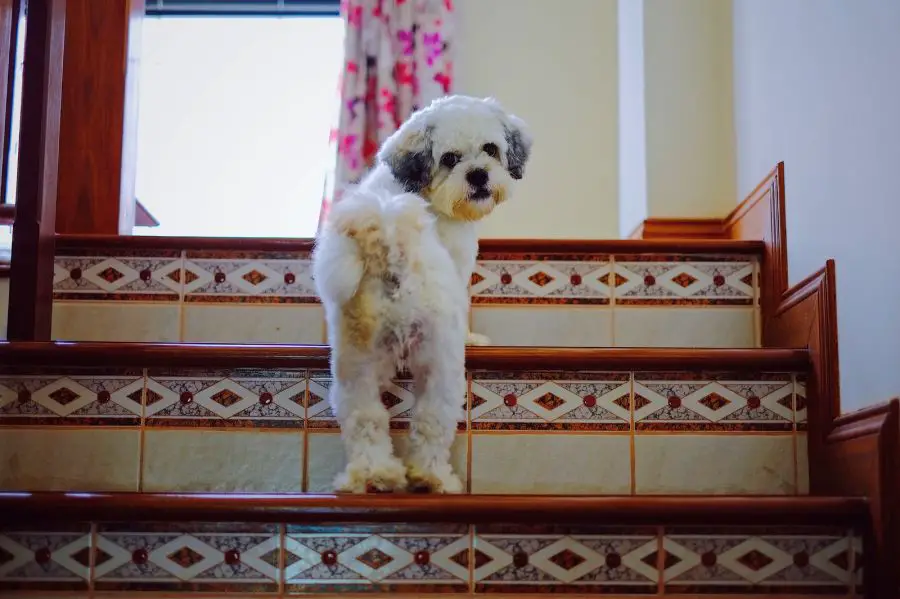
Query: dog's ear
{"points": [[408, 154], [518, 146]]}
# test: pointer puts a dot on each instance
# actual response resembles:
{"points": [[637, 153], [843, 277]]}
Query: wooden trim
{"points": [[681, 228], [7, 214], [144, 355], [10, 14], [487, 246], [31, 277], [21, 508]]}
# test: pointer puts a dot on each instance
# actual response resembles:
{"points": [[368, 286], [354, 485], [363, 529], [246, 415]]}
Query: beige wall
{"points": [[554, 64], [817, 84]]}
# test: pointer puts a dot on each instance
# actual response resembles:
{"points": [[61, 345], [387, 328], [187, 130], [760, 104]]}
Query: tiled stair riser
{"points": [[278, 559], [614, 433], [518, 299]]}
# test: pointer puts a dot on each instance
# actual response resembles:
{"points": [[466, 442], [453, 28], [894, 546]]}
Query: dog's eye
{"points": [[450, 159], [492, 150]]}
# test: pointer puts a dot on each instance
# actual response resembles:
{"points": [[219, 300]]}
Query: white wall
{"points": [[817, 84], [553, 64]]}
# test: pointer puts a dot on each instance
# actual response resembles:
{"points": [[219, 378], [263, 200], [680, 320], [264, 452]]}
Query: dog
{"points": [[392, 264]]}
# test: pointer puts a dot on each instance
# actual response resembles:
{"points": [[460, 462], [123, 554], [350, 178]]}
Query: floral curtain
{"points": [[396, 59]]}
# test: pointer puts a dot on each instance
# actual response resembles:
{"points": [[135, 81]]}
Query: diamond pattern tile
{"points": [[121, 278], [650, 280], [265, 277], [51, 561], [540, 281]]}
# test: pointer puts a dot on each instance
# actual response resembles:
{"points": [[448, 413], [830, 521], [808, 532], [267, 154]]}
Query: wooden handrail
{"points": [[145, 355], [471, 509]]}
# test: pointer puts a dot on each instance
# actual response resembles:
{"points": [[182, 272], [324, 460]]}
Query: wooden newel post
{"points": [[31, 272]]}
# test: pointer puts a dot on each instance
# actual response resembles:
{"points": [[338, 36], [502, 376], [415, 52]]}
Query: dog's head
{"points": [[462, 154]]}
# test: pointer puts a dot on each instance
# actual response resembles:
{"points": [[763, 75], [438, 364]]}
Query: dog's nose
{"points": [[477, 177]]}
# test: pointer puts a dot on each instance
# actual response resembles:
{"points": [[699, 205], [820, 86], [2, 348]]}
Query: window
{"points": [[234, 116]]}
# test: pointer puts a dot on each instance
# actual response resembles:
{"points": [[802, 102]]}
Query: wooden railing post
{"points": [[10, 15], [31, 272]]}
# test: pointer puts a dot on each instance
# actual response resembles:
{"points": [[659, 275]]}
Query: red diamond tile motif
{"points": [[174, 275], [481, 558], [567, 559], [313, 400], [190, 277], [375, 558], [842, 560], [254, 277], [461, 558], [135, 396], [755, 560], [5, 556], [786, 402], [226, 398], [390, 400], [748, 280], [541, 279], [110, 274], [83, 556], [714, 401], [549, 402], [640, 401], [185, 557], [100, 557], [152, 396], [622, 402], [289, 558], [478, 401], [612, 280], [669, 560], [475, 278], [684, 280], [271, 557], [63, 396], [801, 403]]}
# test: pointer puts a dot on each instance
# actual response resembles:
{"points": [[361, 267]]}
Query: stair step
{"points": [[291, 544]]}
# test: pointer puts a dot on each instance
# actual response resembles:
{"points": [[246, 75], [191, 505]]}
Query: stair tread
{"points": [[110, 507], [114, 354]]}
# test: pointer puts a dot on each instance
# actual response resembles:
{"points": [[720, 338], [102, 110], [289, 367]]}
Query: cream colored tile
{"points": [[802, 464], [559, 464], [223, 461], [665, 326], [732, 464], [115, 321], [4, 306], [553, 326], [38, 459], [254, 323], [326, 458]]}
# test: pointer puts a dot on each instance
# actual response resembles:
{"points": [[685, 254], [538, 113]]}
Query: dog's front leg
{"points": [[365, 429]]}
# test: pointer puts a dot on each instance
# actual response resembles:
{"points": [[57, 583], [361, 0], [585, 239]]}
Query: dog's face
{"points": [[462, 154]]}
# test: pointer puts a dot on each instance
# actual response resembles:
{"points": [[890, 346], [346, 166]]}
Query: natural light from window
{"points": [[234, 121]]}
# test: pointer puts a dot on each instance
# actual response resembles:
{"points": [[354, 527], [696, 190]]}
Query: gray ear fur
{"points": [[518, 150], [410, 159]]}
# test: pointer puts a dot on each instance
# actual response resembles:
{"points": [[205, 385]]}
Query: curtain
{"points": [[396, 59]]}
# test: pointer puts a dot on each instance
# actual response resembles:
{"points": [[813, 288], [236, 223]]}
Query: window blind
{"points": [[262, 8]]}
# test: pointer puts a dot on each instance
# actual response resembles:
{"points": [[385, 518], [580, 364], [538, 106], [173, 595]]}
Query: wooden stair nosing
{"points": [[145, 355], [23, 508]]}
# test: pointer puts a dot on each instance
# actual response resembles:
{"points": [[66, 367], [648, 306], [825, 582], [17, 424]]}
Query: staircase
{"points": [[656, 416]]}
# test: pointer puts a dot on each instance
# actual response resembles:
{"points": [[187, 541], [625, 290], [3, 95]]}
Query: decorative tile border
{"points": [[398, 399], [207, 276], [127, 276], [240, 398], [684, 280], [711, 562], [77, 399], [198, 558], [45, 561], [679, 401], [392, 559], [564, 401], [429, 558], [800, 402], [241, 277]]}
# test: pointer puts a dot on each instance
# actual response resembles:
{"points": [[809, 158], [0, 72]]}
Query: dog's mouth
{"points": [[482, 193]]}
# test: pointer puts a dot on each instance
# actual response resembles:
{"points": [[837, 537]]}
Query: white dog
{"points": [[392, 267]]}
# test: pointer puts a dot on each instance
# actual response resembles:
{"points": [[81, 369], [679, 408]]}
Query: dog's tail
{"points": [[363, 234]]}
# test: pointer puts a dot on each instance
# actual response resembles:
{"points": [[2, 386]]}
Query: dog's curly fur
{"points": [[392, 265]]}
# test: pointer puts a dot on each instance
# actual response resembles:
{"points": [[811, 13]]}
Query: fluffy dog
{"points": [[392, 265]]}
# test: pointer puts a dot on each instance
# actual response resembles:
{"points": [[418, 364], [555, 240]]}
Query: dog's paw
{"points": [[441, 481], [477, 339], [372, 478]]}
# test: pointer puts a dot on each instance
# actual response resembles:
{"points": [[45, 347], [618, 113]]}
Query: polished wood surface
{"points": [[681, 228], [7, 214], [487, 246], [98, 132], [316, 356], [143, 507], [9, 30], [31, 274]]}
